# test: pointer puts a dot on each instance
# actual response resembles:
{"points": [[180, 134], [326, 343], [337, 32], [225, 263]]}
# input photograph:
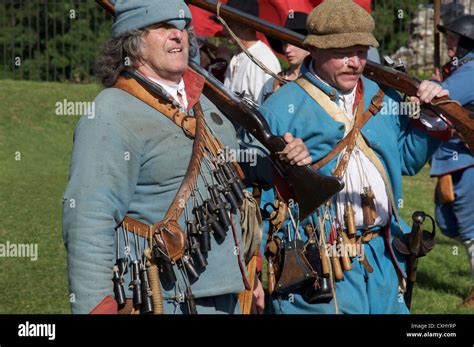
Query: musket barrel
{"points": [[462, 119], [106, 5], [264, 26]]}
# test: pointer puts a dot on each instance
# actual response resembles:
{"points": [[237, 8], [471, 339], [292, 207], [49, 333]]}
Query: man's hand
{"points": [[295, 152], [437, 75], [258, 302], [427, 91]]}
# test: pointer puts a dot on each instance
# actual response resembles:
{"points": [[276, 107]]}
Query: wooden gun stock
{"points": [[462, 119], [311, 189]]}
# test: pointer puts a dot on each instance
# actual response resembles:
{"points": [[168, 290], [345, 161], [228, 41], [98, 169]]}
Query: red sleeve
{"points": [[108, 305]]}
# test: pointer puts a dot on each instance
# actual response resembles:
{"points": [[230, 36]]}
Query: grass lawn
{"points": [[31, 191], [443, 277]]}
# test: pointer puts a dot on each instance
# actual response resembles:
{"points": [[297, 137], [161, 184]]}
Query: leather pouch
{"points": [[295, 269]]}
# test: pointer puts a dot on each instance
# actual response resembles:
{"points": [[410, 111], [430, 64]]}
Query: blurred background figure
{"points": [[243, 75], [453, 163], [294, 55]]}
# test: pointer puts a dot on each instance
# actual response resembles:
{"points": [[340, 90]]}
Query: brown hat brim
{"points": [[342, 40]]}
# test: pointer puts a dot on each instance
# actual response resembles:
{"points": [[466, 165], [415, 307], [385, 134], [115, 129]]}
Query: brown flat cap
{"points": [[340, 24]]}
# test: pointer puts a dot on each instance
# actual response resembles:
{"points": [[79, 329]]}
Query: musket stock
{"points": [[311, 189]]}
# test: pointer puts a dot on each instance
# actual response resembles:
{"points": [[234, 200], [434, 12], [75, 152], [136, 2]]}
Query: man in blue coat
{"points": [[321, 108], [453, 163], [130, 158]]}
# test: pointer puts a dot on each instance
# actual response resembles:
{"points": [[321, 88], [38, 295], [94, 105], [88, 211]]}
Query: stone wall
{"points": [[419, 53]]}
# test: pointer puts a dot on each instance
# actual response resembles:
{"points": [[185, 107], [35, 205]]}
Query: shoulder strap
{"points": [[338, 115], [168, 229], [194, 126], [323, 100], [133, 87], [276, 85], [354, 135]]}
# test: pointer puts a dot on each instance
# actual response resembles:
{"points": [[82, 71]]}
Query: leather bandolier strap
{"points": [[353, 136], [167, 232], [133, 87], [361, 118], [171, 234], [338, 115]]}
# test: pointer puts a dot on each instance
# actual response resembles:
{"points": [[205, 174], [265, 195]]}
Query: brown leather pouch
{"points": [[170, 235], [445, 189], [296, 271]]}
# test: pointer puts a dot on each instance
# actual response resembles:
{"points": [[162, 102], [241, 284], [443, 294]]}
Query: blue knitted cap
{"points": [[138, 14]]}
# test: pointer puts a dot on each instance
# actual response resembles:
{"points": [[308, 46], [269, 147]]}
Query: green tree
{"points": [[51, 40], [392, 23]]}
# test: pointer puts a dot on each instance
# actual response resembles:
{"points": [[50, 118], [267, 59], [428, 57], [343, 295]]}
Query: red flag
{"points": [[275, 11], [203, 26]]}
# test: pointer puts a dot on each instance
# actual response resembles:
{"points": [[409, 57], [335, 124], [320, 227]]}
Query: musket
{"points": [[311, 189], [107, 6], [461, 118]]}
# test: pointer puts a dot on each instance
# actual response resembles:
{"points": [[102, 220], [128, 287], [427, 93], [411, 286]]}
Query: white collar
{"points": [[173, 89], [346, 101]]}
